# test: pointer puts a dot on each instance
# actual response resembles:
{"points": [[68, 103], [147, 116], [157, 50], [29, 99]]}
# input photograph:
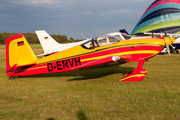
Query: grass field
{"points": [[94, 94]]}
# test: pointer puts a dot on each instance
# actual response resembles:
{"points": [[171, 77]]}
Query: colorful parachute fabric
{"points": [[161, 15]]}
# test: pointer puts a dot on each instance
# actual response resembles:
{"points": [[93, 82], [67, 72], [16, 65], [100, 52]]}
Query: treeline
{"points": [[33, 39]]}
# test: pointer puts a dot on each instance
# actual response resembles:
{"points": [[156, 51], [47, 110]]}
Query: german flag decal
{"points": [[20, 43], [45, 38]]}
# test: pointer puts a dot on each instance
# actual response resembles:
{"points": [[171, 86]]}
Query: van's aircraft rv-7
{"points": [[103, 50]]}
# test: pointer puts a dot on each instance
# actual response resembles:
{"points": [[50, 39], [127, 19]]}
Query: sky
{"points": [[92, 18]]}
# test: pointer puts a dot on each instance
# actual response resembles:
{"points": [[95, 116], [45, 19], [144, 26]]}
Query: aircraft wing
{"points": [[149, 34], [106, 60]]}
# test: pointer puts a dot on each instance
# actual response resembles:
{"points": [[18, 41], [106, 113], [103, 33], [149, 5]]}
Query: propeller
{"points": [[167, 45]]}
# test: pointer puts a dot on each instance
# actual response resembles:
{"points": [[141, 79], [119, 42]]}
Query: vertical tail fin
{"points": [[18, 52], [123, 31], [47, 42]]}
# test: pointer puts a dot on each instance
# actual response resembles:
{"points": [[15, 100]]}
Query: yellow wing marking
{"points": [[37, 68]]}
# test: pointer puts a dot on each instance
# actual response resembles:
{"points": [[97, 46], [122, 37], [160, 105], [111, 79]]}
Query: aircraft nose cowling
{"points": [[169, 40]]}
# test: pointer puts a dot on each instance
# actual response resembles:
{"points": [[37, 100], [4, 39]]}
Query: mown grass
{"points": [[35, 46], [2, 46], [94, 94]]}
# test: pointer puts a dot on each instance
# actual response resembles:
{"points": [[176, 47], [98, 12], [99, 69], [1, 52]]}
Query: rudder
{"points": [[18, 53]]}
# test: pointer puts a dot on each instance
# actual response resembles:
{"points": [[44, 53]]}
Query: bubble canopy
{"points": [[100, 41]]}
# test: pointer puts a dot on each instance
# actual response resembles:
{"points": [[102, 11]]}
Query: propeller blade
{"points": [[167, 47]]}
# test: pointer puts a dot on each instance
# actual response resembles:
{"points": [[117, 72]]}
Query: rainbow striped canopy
{"points": [[160, 16]]}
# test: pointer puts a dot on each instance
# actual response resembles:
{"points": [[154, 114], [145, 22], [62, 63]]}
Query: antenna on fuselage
{"points": [[152, 34], [84, 36]]}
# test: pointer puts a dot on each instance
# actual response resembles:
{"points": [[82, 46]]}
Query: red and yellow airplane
{"points": [[103, 50]]}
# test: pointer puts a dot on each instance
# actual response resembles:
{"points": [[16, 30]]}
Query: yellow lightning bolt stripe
{"points": [[132, 76], [124, 53], [37, 68], [144, 72]]}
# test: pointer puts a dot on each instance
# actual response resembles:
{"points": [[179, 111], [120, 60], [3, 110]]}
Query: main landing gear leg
{"points": [[136, 75]]}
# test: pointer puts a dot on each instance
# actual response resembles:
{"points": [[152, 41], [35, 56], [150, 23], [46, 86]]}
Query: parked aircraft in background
{"points": [[50, 46], [160, 17], [102, 50]]}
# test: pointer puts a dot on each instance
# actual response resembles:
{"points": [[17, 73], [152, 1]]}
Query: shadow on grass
{"points": [[88, 74], [81, 115], [50, 118]]}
